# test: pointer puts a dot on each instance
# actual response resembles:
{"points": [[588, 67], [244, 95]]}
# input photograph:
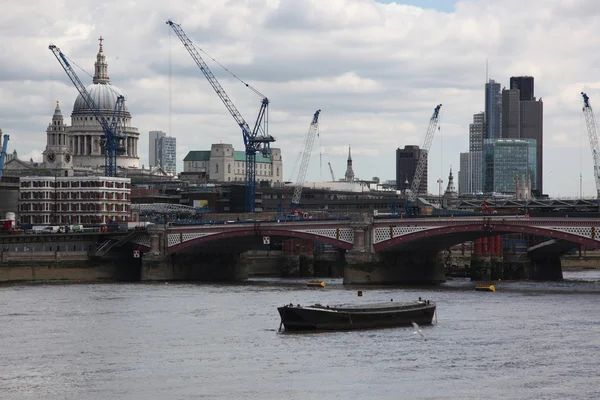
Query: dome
{"points": [[104, 95]]}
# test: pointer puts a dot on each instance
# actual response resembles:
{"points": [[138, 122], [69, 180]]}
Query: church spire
{"points": [[100, 66], [349, 172]]}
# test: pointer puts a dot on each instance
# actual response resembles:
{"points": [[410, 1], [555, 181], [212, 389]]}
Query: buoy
{"points": [[315, 284], [485, 288]]}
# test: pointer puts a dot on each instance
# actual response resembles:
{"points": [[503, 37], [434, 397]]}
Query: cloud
{"points": [[376, 70]]}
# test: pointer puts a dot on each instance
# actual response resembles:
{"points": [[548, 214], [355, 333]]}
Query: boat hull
{"points": [[298, 318]]}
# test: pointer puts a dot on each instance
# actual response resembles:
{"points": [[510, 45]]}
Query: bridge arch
{"points": [[230, 239], [439, 238]]}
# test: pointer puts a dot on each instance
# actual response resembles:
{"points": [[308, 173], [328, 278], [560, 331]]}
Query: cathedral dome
{"points": [[104, 95]]}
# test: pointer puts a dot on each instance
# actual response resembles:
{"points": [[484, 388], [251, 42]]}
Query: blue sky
{"points": [[440, 5]]}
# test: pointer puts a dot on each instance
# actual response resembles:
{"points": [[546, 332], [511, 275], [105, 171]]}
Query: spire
{"points": [[100, 66], [349, 172], [451, 191]]}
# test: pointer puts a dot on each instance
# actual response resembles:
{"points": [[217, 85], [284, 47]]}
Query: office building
{"points": [[167, 154], [523, 118], [507, 160], [406, 165], [162, 151], [511, 114], [154, 137], [470, 176], [224, 164], [477, 132], [493, 110], [74, 199], [525, 86]]}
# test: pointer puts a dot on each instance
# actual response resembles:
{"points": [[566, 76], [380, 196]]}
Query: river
{"points": [[528, 340]]}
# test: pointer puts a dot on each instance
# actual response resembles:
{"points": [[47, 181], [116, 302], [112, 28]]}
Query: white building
{"points": [[74, 199], [224, 164], [85, 135]]}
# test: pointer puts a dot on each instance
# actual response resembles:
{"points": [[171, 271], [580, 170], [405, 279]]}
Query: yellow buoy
{"points": [[485, 288], [315, 284]]}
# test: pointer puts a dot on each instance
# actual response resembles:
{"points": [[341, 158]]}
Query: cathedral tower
{"points": [[57, 155]]}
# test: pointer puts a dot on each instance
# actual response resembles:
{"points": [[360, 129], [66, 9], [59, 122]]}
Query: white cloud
{"points": [[376, 71]]}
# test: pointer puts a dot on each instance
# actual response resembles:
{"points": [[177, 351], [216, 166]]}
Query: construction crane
{"points": [[3, 153], [593, 135], [331, 172], [422, 163], [113, 131], [308, 145], [257, 139]]}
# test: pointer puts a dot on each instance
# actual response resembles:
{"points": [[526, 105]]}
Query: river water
{"points": [[528, 340]]}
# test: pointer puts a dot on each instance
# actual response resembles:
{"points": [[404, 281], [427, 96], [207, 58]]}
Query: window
{"points": [[216, 168], [228, 168]]}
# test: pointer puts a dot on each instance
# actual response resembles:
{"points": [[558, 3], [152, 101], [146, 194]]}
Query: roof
{"points": [[241, 156], [204, 155], [200, 155]]}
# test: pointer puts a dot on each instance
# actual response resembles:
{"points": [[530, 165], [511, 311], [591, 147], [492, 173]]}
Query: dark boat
{"points": [[364, 316]]}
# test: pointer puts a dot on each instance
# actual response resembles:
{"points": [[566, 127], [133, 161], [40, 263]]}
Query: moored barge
{"points": [[364, 316]]}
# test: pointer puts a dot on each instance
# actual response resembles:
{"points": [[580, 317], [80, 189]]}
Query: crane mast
{"points": [[257, 139], [590, 121], [308, 145], [112, 134], [422, 163], [3, 152], [331, 171]]}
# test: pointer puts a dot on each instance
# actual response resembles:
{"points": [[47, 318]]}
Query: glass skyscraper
{"points": [[507, 159]]}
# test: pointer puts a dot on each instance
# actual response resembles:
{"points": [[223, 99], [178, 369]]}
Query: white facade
{"points": [[85, 135], [74, 199], [224, 164]]}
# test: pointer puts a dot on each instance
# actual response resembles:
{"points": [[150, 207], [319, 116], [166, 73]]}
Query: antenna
{"points": [[486, 70]]}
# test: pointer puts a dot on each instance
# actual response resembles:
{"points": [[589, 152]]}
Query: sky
{"points": [[376, 69]]}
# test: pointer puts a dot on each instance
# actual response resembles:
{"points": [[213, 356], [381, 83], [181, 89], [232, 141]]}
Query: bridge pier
{"points": [[193, 267], [395, 268], [546, 269], [158, 265]]}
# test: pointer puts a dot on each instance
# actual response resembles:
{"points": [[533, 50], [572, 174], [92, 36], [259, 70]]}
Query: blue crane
{"points": [[256, 139], [113, 131], [3, 153], [308, 145]]}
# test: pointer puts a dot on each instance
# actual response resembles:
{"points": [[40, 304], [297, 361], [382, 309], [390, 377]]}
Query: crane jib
{"points": [[253, 142]]}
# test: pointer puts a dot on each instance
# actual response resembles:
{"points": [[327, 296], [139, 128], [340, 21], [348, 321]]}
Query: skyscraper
{"points": [[525, 86], [523, 118], [532, 127], [162, 151], [167, 154], [471, 167], [152, 147], [511, 114], [477, 132], [406, 164], [493, 110]]}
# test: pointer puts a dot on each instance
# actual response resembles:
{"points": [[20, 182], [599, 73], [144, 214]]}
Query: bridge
{"points": [[399, 250]]}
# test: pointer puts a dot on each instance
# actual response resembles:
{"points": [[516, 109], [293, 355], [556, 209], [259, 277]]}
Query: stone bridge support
{"points": [[158, 265], [365, 266]]}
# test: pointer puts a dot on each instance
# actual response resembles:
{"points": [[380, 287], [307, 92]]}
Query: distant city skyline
{"points": [[377, 71]]}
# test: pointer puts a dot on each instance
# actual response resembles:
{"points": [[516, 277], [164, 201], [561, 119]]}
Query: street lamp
{"points": [[440, 181]]}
